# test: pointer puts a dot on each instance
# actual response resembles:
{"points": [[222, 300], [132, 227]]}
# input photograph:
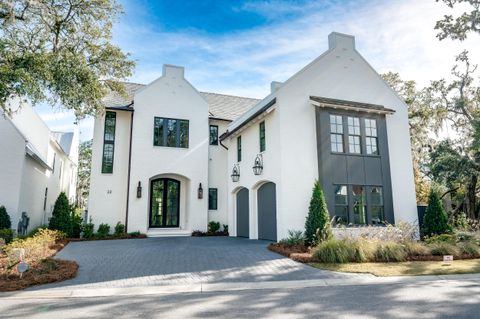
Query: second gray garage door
{"points": [[267, 212]]}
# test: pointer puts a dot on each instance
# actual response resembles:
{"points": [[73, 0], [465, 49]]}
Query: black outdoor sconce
{"points": [[258, 165], [139, 190], [200, 191], [235, 173]]}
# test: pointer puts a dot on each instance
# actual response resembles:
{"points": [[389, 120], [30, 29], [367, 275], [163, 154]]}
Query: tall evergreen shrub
{"points": [[62, 215], [435, 220], [5, 222], [317, 225]]}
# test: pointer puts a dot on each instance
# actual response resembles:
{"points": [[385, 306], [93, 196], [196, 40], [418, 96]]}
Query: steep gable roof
{"points": [[221, 106]]}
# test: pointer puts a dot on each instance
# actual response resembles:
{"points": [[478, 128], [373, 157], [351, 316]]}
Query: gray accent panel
{"points": [[267, 212], [243, 213], [350, 169]]}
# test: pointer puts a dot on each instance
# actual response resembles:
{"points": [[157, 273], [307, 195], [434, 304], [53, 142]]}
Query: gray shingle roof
{"points": [[221, 106]]}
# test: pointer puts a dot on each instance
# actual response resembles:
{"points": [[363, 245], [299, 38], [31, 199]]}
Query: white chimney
{"points": [[173, 71], [340, 40]]}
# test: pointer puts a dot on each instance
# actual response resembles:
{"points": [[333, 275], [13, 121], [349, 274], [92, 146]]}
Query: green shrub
{"points": [[333, 252], [7, 234], [213, 227], [389, 251], [61, 217], [88, 229], [5, 222], [444, 238], [317, 224], [435, 221], [470, 249], [444, 248], [413, 249], [119, 229], [76, 222], [225, 228], [103, 230], [295, 237], [134, 234]]}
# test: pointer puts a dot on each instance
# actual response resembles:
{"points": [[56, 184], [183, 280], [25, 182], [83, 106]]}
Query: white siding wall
{"points": [[271, 168], [218, 176], [170, 96], [107, 199]]}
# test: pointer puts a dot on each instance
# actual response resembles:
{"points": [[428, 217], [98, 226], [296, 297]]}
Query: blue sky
{"points": [[239, 47]]}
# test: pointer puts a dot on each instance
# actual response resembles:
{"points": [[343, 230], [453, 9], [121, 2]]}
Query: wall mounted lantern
{"points": [[235, 173], [200, 191], [139, 190], [258, 165]]}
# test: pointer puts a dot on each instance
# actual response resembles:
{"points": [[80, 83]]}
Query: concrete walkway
{"points": [[182, 261]]}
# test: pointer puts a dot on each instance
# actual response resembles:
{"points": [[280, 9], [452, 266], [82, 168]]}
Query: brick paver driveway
{"points": [[179, 261]]}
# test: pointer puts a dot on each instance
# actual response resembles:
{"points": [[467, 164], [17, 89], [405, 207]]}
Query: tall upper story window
{"points": [[262, 136], [336, 133], [108, 142], [371, 141], [239, 148], [213, 135], [354, 145], [170, 132]]}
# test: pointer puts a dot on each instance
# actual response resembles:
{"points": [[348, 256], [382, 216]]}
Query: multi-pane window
{"points": [[212, 198], [213, 135], [354, 145], [262, 136], [376, 203], [371, 142], [336, 133], [108, 142], [359, 205], [170, 132], [239, 148], [341, 204]]}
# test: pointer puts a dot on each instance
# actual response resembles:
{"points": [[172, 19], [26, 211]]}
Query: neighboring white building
{"points": [[335, 121], [36, 165]]}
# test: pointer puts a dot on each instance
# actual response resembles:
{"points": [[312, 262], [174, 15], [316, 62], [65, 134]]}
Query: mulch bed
{"points": [[48, 271], [140, 236], [303, 254]]}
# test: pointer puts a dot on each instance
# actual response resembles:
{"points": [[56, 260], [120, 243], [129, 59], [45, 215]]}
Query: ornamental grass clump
{"points": [[444, 248], [333, 252], [389, 252]]}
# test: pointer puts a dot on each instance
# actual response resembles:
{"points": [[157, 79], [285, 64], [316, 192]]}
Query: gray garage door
{"points": [[242, 213], [267, 212]]}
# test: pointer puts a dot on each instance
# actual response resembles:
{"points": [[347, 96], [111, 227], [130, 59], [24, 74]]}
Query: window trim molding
{"points": [[177, 132], [112, 142]]}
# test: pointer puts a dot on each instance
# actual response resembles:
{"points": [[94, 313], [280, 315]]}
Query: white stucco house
{"points": [[36, 165], [168, 159]]}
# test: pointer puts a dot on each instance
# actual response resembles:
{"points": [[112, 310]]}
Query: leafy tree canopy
{"points": [[60, 52], [458, 27]]}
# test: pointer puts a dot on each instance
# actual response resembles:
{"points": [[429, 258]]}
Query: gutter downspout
{"points": [[129, 169], [221, 143]]}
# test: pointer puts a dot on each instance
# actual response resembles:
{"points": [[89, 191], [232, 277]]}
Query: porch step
{"points": [[168, 232]]}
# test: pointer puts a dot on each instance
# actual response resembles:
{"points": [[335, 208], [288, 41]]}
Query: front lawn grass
{"points": [[409, 268]]}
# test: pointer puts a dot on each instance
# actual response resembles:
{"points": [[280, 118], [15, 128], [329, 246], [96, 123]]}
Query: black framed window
{"points": [[212, 198], [371, 141], [108, 142], [354, 136], [213, 135], [359, 205], [170, 132], [376, 204], [336, 133], [262, 136], [164, 203], [45, 199], [239, 148], [341, 204]]}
